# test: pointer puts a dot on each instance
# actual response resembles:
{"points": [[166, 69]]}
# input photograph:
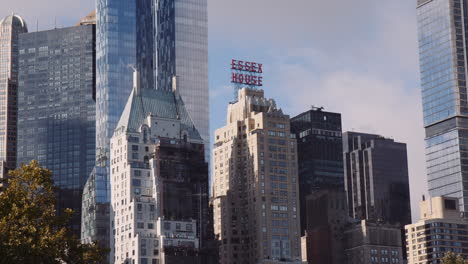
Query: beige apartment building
{"points": [[255, 189], [441, 229]]}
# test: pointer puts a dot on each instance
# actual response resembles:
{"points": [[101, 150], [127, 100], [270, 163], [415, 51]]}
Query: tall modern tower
{"points": [[443, 65], [56, 108], [10, 29], [319, 154], [182, 52], [124, 42]]}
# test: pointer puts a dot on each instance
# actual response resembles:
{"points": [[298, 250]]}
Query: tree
{"points": [[451, 258], [30, 229]]}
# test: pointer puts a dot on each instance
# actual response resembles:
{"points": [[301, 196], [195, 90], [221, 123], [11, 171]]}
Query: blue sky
{"points": [[356, 57]]}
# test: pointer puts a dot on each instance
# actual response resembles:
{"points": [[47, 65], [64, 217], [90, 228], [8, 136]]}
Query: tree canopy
{"points": [[31, 231], [451, 258]]}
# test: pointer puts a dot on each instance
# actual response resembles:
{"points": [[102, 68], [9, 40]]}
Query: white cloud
{"points": [[358, 57]]}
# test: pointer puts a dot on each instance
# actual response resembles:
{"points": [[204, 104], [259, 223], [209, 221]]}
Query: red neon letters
{"points": [[247, 79], [246, 66], [250, 78]]}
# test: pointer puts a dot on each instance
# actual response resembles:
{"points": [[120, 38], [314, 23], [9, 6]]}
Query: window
{"points": [[137, 191], [188, 227], [167, 226], [134, 155], [140, 225], [280, 125], [150, 226], [450, 204], [136, 182], [177, 226], [134, 147]]}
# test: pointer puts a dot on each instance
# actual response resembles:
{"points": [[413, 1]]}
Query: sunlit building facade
{"points": [[443, 59], [10, 29], [255, 185], [442, 229], [159, 183]]}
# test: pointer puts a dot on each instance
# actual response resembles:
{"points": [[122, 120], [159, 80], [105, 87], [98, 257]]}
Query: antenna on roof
{"points": [[37, 25], [55, 23]]}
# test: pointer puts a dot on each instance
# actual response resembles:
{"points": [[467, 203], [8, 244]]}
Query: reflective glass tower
{"points": [[124, 41], [442, 26], [56, 108], [182, 51], [10, 28]]}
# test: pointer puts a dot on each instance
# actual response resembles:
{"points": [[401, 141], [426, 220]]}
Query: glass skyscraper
{"points": [[124, 41], [56, 108], [164, 40], [442, 47], [182, 52], [10, 28]]}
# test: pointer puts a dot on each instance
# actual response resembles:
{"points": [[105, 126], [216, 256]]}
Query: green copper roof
{"points": [[164, 104]]}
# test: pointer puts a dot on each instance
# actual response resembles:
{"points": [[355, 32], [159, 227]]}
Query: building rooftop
{"points": [[163, 104], [14, 20], [89, 19]]}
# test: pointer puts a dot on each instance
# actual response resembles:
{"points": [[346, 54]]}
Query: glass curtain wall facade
{"points": [[442, 28], [182, 52], [10, 28], [319, 153], [56, 113], [124, 42]]}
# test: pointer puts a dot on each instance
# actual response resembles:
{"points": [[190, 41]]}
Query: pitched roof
{"points": [[164, 104]]}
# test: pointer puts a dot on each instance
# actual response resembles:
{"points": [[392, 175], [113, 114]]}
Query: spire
{"points": [[136, 81]]}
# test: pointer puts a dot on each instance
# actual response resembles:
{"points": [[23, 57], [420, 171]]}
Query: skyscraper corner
{"points": [[10, 29], [443, 59]]}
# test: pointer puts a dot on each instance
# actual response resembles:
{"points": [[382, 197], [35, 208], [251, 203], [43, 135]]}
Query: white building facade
{"points": [[141, 232]]}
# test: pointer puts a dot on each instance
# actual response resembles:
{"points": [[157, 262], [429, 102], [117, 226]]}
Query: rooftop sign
{"points": [[247, 73]]}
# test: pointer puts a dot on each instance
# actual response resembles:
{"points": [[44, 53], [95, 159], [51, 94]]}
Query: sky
{"points": [[358, 58]]}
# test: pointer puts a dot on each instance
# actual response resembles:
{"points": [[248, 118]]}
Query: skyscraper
{"points": [[319, 153], [442, 49], [182, 51], [255, 186], [56, 108], [376, 178], [159, 179], [124, 41], [10, 29]]}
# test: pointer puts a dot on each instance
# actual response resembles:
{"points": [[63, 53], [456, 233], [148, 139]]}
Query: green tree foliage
{"points": [[451, 258], [30, 229]]}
